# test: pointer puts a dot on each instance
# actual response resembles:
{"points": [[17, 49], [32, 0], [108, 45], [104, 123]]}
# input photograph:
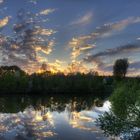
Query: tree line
{"points": [[15, 80]]}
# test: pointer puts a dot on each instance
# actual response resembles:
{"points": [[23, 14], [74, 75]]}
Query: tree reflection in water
{"points": [[48, 117]]}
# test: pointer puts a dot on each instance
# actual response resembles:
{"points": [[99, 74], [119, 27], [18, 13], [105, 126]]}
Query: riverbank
{"points": [[45, 84]]}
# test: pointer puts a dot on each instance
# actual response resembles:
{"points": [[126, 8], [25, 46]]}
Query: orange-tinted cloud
{"points": [[85, 19], [46, 11], [4, 21]]}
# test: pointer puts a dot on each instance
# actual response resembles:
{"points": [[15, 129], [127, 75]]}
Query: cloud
{"points": [[84, 20], [133, 69], [4, 21], [98, 58], [59, 66], [134, 65], [54, 67], [28, 46], [83, 44], [33, 1], [108, 29], [46, 11], [41, 31], [79, 46], [120, 25], [115, 51], [77, 66], [1, 1], [46, 49], [86, 43], [28, 56]]}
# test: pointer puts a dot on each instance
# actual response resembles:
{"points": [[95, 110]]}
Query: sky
{"points": [[70, 35]]}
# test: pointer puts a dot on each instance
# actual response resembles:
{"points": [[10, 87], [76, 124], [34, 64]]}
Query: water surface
{"points": [[50, 117]]}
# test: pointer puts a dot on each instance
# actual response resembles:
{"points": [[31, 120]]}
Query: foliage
{"points": [[12, 79], [16, 81], [124, 117], [126, 100], [113, 125], [120, 67]]}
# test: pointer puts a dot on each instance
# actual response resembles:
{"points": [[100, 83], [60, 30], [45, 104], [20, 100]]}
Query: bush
{"points": [[124, 117]]}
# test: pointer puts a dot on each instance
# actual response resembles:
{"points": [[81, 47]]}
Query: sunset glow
{"points": [[88, 38]]}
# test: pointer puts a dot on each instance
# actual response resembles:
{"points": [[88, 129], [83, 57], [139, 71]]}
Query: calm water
{"points": [[51, 118]]}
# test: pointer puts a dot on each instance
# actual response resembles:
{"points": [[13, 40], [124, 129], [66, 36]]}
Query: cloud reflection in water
{"points": [[47, 123]]}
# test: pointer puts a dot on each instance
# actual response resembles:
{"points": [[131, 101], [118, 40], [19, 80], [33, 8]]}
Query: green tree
{"points": [[125, 112]]}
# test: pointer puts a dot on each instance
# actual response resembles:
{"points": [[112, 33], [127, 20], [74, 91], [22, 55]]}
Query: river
{"points": [[50, 117]]}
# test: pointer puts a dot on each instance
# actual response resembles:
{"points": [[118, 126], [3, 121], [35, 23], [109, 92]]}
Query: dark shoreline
{"points": [[55, 94]]}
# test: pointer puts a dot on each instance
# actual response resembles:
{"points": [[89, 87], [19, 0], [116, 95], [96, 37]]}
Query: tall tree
{"points": [[120, 67]]}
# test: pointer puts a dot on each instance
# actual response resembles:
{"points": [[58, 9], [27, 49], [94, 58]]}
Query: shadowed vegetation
{"points": [[14, 80], [124, 118], [120, 68]]}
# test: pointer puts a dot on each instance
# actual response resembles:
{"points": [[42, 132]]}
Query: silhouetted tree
{"points": [[120, 67], [44, 67], [12, 69]]}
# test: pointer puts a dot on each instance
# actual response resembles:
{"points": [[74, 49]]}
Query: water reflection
{"points": [[56, 117]]}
